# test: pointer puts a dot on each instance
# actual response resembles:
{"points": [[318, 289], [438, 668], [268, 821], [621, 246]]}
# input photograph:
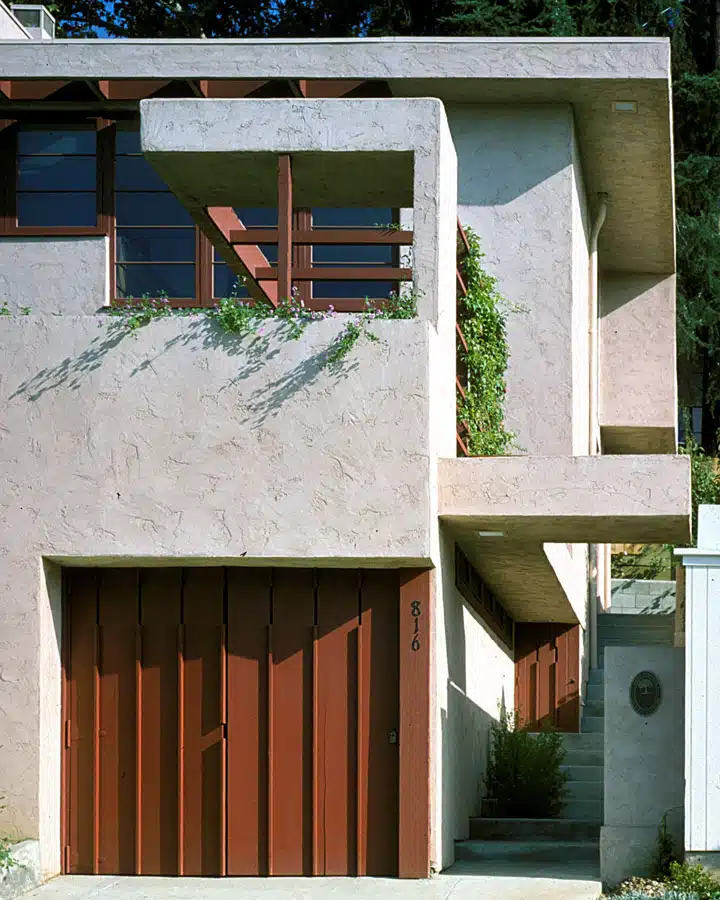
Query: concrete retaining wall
{"points": [[644, 761], [634, 595], [25, 874]]}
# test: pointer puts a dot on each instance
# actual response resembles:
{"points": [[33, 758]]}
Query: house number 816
{"points": [[416, 612]]}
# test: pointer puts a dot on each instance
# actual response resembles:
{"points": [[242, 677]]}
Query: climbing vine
{"points": [[482, 318]]}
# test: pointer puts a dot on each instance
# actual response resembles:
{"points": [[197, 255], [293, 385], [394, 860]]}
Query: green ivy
{"points": [[482, 321], [704, 476]]}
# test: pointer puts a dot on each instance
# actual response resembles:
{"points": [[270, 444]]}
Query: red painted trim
{"points": [[284, 269], [416, 599]]}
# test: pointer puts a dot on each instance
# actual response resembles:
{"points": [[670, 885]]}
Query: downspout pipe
{"points": [[593, 404]]}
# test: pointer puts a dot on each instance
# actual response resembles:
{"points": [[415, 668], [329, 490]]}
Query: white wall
{"points": [[519, 191], [66, 276], [474, 673]]}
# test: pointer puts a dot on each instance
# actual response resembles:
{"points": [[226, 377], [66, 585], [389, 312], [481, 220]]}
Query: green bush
{"points": [[6, 858], [524, 778], [693, 880]]}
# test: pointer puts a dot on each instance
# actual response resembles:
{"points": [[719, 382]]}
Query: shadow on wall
{"points": [[537, 145], [201, 334]]}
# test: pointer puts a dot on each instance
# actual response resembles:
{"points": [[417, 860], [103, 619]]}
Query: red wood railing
{"points": [[240, 247], [461, 374]]}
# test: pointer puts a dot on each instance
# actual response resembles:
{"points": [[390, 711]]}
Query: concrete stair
{"points": [[634, 631], [582, 815], [584, 768]]}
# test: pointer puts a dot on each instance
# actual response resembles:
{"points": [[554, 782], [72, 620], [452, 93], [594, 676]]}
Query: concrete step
{"points": [[591, 774], [533, 830], [584, 792], [626, 621], [582, 741], [595, 694], [584, 758], [592, 725], [594, 709], [596, 677], [583, 810]]}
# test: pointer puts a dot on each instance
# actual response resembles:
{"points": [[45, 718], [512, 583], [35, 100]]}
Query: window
{"points": [[155, 237], [90, 177], [50, 178]]}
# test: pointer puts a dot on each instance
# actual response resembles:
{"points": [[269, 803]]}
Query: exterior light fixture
{"points": [[490, 533], [627, 106]]}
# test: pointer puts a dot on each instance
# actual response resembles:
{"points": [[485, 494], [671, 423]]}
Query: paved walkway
{"points": [[484, 871]]}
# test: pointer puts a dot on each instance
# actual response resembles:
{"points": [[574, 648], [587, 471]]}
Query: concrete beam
{"points": [[603, 499]]}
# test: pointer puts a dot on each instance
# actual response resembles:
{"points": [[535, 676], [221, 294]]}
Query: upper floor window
{"points": [[56, 177], [91, 178]]}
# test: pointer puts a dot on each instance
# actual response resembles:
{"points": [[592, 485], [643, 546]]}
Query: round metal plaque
{"points": [[645, 693]]}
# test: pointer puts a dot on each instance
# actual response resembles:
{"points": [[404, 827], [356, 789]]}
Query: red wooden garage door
{"points": [[231, 721]]}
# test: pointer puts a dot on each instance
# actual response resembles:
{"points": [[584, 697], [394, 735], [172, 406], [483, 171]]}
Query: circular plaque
{"points": [[645, 693]]}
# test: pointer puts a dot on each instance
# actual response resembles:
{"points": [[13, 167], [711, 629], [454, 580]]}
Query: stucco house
{"points": [[257, 614]]}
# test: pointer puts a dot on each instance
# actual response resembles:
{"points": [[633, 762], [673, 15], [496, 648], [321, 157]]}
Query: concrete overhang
{"points": [[577, 499], [626, 151]]}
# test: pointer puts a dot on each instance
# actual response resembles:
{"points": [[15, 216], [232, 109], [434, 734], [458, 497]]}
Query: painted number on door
{"points": [[416, 612]]}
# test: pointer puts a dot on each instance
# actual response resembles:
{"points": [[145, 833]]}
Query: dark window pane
{"points": [[134, 173], [226, 282], [270, 251], [177, 281], [352, 217], [57, 209], [60, 140], [258, 217], [353, 255], [375, 290], [66, 173], [150, 209], [127, 141], [156, 245]]}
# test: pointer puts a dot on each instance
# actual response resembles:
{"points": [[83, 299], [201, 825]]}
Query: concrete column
{"points": [[702, 692]]}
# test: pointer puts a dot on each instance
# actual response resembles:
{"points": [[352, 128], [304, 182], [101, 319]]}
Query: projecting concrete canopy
{"points": [[396, 152], [578, 499]]}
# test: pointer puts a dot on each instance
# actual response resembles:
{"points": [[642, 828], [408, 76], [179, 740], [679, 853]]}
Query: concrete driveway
{"points": [[492, 870]]}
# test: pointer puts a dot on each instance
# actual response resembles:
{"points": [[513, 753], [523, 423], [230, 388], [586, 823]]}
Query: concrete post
{"points": [[702, 692]]}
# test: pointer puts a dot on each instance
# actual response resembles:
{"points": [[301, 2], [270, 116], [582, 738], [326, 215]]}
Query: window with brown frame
{"points": [[90, 177]]}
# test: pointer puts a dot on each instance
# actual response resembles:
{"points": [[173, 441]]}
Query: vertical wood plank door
{"points": [[232, 721], [547, 675]]}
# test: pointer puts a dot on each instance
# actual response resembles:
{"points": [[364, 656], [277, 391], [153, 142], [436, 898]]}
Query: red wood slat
{"points": [[203, 611], [568, 685], [291, 776], [285, 224], [31, 89], [247, 679], [217, 222], [160, 611], [181, 746], [415, 643], [138, 749], [130, 89], [336, 726], [118, 620], [461, 337], [379, 762], [338, 273], [461, 286], [271, 742], [81, 598], [333, 236], [462, 447]]}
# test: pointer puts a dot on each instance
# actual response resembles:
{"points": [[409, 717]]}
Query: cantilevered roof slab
{"points": [[577, 499], [619, 89]]}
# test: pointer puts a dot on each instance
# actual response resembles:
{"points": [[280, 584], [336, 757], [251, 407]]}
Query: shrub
{"points": [[523, 776], [693, 880]]}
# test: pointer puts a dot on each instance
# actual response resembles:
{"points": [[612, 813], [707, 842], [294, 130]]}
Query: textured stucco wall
{"points": [[571, 498], [179, 443], [473, 675], [55, 276], [519, 191], [644, 761], [638, 382], [580, 306]]}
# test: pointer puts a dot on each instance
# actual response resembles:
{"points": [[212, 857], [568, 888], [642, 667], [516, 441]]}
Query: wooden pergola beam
{"points": [[333, 236]]}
